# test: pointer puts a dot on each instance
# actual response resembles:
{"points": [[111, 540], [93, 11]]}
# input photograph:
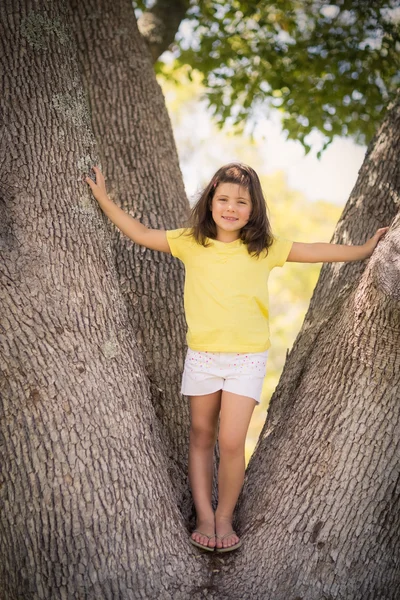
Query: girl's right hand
{"points": [[99, 187], [155, 239]]}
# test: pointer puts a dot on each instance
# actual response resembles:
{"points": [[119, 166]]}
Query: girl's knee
{"points": [[230, 446], [202, 436]]}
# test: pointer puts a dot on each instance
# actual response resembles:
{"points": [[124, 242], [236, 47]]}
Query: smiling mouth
{"points": [[230, 218]]}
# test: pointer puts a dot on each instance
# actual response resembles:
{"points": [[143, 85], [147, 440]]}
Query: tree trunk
{"points": [[134, 134], [319, 512], [87, 506]]}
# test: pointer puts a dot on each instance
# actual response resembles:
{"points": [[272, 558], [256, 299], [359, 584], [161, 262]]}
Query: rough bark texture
{"points": [[319, 512], [87, 508], [159, 25], [134, 134]]}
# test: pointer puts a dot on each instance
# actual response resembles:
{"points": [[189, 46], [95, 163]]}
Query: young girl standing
{"points": [[228, 252]]}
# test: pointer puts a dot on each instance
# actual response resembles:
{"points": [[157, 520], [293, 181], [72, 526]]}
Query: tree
{"points": [[89, 503], [327, 67], [136, 146], [88, 476]]}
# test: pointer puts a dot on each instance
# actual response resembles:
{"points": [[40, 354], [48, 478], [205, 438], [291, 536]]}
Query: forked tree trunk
{"points": [[87, 507], [135, 139]]}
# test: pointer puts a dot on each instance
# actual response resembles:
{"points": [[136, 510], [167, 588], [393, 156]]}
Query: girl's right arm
{"points": [[155, 239]]}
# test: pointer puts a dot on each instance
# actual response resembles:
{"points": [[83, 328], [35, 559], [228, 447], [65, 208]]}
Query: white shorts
{"points": [[208, 372]]}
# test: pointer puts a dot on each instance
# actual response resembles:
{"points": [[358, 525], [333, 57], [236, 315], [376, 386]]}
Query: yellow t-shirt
{"points": [[226, 292]]}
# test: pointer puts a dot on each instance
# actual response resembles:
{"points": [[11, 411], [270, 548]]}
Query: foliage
{"points": [[329, 67]]}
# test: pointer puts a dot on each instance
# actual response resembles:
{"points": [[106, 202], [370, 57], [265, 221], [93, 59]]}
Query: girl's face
{"points": [[231, 209]]}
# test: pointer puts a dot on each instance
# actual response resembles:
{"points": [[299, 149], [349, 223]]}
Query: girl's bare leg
{"points": [[204, 412], [235, 418]]}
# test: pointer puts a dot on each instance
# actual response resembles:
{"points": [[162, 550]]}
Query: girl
{"points": [[228, 252]]}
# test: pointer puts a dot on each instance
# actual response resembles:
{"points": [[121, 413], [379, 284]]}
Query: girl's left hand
{"points": [[372, 242]]}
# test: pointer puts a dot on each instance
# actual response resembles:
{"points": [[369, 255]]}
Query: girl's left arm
{"points": [[320, 252]]}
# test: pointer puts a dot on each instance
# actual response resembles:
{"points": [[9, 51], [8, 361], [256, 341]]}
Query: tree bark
{"points": [[135, 139], [319, 513], [88, 509]]}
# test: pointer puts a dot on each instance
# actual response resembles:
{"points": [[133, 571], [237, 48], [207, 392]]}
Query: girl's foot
{"points": [[204, 534], [226, 537]]}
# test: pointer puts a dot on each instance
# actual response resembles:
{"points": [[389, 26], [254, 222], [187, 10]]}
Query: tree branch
{"points": [[159, 25]]}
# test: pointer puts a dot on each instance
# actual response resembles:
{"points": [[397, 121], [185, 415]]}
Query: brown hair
{"points": [[257, 233]]}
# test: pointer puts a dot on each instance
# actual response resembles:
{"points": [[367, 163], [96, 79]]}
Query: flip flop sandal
{"points": [[209, 537], [229, 548]]}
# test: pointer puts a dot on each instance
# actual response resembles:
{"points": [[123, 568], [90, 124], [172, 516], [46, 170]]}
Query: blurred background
{"points": [[295, 89]]}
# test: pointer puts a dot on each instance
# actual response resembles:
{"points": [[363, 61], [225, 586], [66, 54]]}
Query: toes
{"points": [[230, 541], [200, 539], [203, 540]]}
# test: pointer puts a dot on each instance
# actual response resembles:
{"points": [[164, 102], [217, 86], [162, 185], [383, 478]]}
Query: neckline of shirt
{"points": [[219, 244]]}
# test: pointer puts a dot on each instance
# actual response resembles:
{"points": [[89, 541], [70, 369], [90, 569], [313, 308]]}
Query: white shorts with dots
{"points": [[208, 372]]}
